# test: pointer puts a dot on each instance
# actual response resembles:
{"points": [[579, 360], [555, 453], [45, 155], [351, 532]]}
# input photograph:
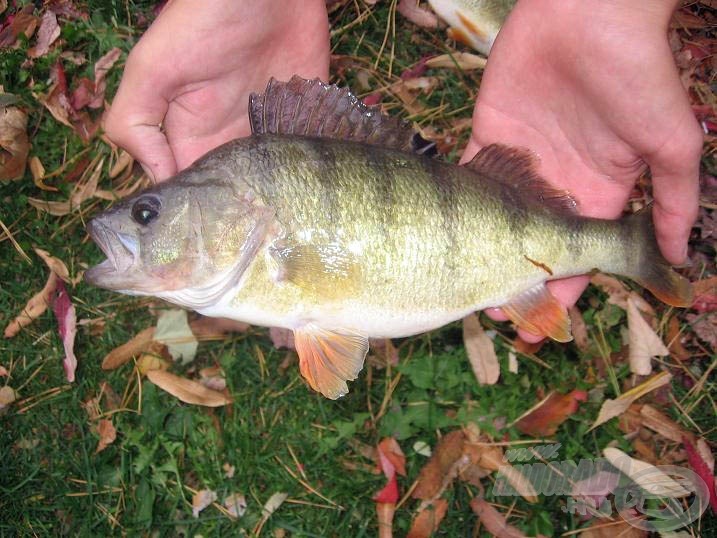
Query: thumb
{"points": [[133, 123], [675, 180]]}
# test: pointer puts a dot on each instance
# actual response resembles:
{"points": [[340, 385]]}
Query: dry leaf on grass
{"points": [[481, 351], [653, 419], [56, 265], [124, 353], [173, 331], [186, 390], [543, 419], [23, 22], [494, 522], [578, 328], [7, 396], [613, 408], [270, 506], [645, 475], [14, 143], [82, 191], [206, 328], [700, 466], [434, 476], [427, 520], [34, 308], [417, 15], [465, 61], [4, 372], [107, 433], [67, 326], [47, 34], [229, 470], [235, 505], [644, 342], [391, 461], [201, 499], [609, 528]]}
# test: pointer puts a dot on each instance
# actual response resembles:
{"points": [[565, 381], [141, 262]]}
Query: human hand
{"points": [[193, 70], [591, 87]]}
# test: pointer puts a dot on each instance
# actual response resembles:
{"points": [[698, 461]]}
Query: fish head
{"points": [[186, 240]]}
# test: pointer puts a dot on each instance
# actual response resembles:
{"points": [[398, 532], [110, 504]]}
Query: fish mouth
{"points": [[122, 253]]}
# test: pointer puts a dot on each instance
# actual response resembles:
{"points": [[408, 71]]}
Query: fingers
{"points": [[134, 119], [675, 180]]}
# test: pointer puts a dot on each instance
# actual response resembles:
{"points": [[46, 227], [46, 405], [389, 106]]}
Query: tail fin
{"points": [[653, 271]]}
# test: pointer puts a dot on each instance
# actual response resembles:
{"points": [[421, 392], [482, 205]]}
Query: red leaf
{"points": [[390, 460], [83, 94], [67, 324], [389, 494], [544, 419], [700, 467]]}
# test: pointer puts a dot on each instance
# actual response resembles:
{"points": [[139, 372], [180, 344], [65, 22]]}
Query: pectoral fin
{"points": [[327, 359], [538, 312]]}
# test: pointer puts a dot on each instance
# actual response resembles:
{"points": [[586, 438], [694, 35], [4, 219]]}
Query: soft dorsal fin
{"points": [[517, 167], [312, 108]]}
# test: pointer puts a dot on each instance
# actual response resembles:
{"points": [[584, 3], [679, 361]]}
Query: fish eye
{"points": [[146, 209]]}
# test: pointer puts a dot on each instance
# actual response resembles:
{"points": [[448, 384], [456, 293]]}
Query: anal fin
{"points": [[538, 312], [330, 358]]}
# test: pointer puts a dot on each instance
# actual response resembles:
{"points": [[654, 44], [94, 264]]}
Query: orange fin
{"points": [[538, 312], [518, 168], [327, 359]]}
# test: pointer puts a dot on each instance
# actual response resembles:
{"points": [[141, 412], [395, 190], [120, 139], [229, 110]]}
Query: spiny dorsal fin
{"points": [[312, 108], [517, 167]]}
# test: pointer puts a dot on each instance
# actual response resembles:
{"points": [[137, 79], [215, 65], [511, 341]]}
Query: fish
{"points": [[475, 23], [341, 224]]}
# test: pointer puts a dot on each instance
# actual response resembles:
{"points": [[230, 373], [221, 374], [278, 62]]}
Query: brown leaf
{"points": [[384, 512], [390, 448], [432, 476], [201, 500], [481, 351], [609, 528], [646, 475], [187, 391], [107, 433], [659, 422], [644, 342], [46, 36], [14, 143], [494, 522], [206, 328], [705, 327], [544, 418], [102, 66], [465, 61], [7, 396], [34, 308], [82, 191], [417, 15], [578, 327], [616, 291], [427, 520], [56, 265], [613, 408], [24, 22], [674, 339], [235, 504], [124, 353]]}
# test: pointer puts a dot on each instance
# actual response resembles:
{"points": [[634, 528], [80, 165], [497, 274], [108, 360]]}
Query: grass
{"points": [[279, 436]]}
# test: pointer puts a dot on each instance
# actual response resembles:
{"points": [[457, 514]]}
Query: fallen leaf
{"points": [[102, 66], [14, 143], [385, 512], [271, 506], [152, 358], [612, 528], [594, 489], [201, 499], [34, 308], [659, 422], [47, 34], [213, 378], [481, 351], [391, 461], [578, 328], [427, 520], [705, 327], [82, 191], [417, 15], [4, 372], [124, 353], [107, 433], [675, 337], [645, 475], [282, 338], [706, 454], [56, 265], [390, 448], [7, 396], [644, 342], [613, 408], [433, 476], [67, 325], [617, 292], [512, 363], [235, 505], [124, 161], [465, 61], [705, 295], [173, 331], [229, 470], [23, 22], [543, 419], [187, 391], [700, 466], [494, 522]]}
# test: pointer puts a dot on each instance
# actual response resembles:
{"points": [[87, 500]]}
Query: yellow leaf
{"points": [[464, 61], [613, 408], [56, 265], [644, 342], [187, 391]]}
